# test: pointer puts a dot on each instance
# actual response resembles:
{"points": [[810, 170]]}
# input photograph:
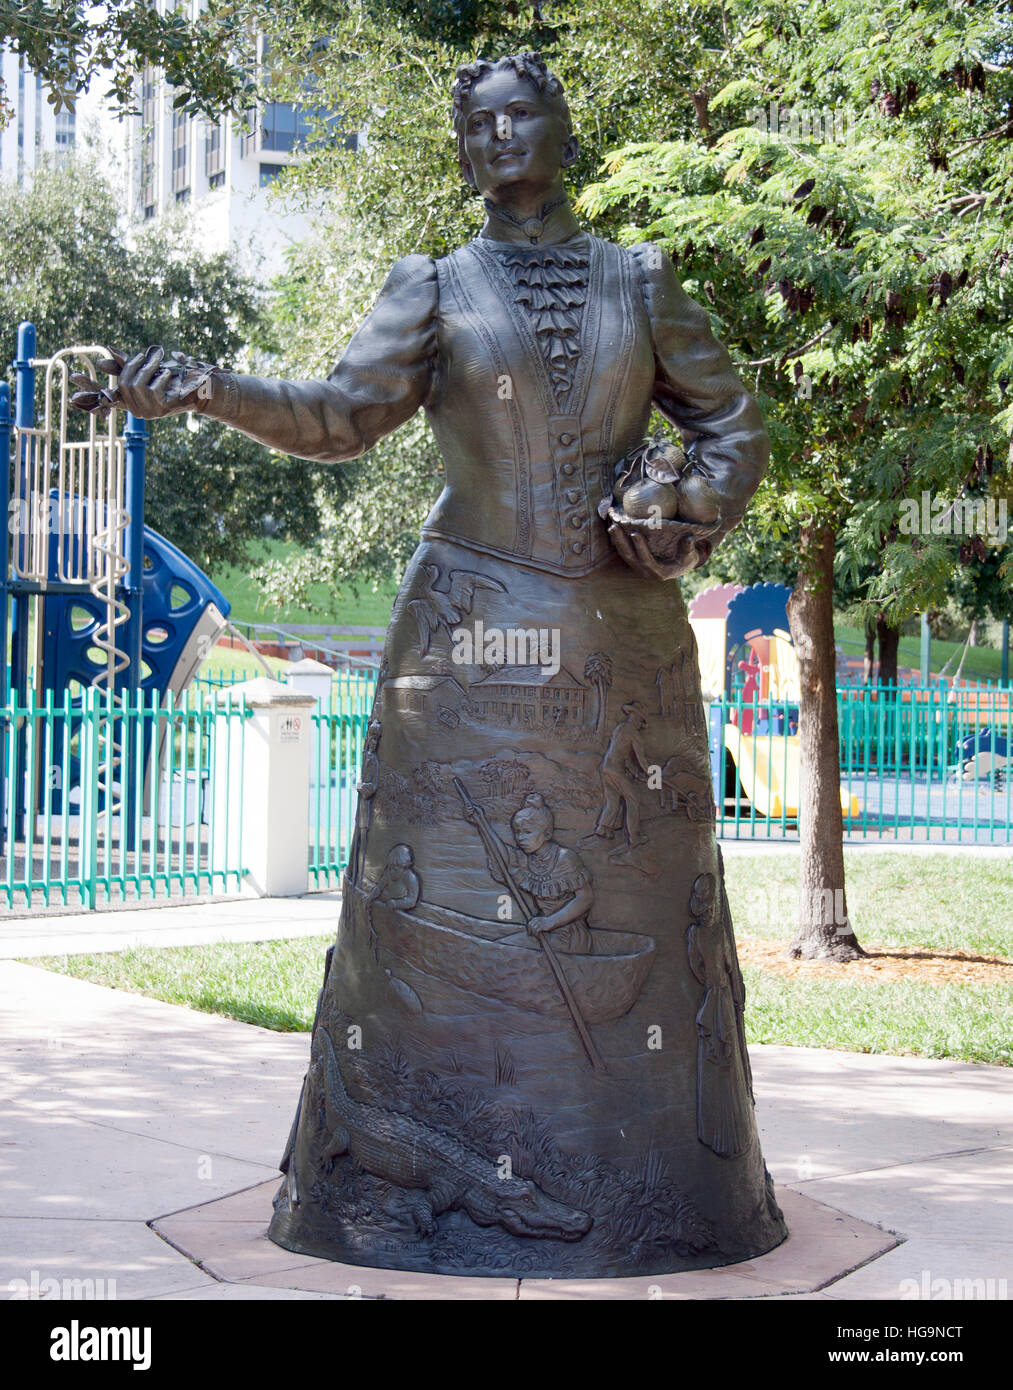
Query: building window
{"points": [[283, 127], [217, 180], [214, 154], [66, 128], [149, 119], [182, 195], [180, 154], [269, 172]]}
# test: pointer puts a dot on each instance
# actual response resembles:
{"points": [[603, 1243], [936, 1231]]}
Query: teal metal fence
{"points": [[339, 731], [113, 798], [127, 799], [918, 763]]}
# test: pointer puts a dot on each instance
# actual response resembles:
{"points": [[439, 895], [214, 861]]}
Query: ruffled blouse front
{"points": [[551, 287]]}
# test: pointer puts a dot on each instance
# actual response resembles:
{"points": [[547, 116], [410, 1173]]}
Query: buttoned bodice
{"points": [[536, 394]]}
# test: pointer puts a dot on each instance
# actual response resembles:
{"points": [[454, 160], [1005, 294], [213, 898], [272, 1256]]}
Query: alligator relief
{"points": [[434, 1171]]}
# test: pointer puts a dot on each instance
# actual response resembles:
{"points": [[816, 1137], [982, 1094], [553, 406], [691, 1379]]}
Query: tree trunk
{"points": [[824, 931], [869, 663], [701, 100], [889, 646]]}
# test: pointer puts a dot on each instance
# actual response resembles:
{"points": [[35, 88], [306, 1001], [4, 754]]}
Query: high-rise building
{"points": [[222, 171], [36, 130]]}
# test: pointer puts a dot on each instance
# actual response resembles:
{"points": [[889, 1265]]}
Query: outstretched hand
{"points": [[149, 384]]}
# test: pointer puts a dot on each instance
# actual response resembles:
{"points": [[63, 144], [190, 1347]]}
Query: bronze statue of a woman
{"points": [[480, 1101]]}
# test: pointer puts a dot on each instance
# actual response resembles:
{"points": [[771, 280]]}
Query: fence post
{"points": [[313, 678], [90, 765], [261, 787]]}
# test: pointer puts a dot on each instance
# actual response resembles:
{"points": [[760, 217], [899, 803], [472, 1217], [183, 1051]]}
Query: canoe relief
{"points": [[540, 955]]}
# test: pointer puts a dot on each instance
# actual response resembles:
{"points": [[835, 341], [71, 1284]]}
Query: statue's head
{"points": [[401, 857], [512, 124], [533, 824]]}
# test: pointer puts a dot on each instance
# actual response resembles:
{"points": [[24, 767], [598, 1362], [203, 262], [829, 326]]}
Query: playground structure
{"points": [[754, 742], [95, 602], [926, 760]]}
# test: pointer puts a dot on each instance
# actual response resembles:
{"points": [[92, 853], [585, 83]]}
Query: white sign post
{"points": [[261, 788]]}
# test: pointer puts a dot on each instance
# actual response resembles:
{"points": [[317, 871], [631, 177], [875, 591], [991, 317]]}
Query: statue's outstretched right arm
{"points": [[381, 380]]}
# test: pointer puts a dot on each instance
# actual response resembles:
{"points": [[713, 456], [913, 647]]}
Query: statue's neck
{"points": [[551, 221]]}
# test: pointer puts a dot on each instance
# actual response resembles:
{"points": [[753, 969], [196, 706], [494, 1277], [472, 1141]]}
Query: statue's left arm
{"points": [[697, 388]]}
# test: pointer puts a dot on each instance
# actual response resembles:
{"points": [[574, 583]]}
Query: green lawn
{"points": [[937, 902], [967, 1022], [365, 610], [981, 663], [237, 664], [895, 900]]}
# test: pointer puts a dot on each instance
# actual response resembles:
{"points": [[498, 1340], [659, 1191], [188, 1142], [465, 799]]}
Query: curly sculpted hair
{"points": [[529, 66]]}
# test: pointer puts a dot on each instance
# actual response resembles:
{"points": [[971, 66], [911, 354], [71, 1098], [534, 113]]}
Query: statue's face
{"points": [[513, 137], [530, 837]]}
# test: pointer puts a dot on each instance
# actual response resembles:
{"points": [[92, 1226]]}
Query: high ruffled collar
{"points": [[558, 225]]}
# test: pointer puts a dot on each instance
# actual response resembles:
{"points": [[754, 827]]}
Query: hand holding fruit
{"points": [[662, 511]]}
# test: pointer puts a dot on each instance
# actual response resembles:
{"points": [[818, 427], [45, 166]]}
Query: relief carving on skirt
{"points": [[435, 608], [724, 1087], [367, 786], [489, 676], [393, 1149], [539, 955]]}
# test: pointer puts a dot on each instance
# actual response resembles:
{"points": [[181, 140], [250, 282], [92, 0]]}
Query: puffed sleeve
{"points": [[696, 387], [381, 380]]}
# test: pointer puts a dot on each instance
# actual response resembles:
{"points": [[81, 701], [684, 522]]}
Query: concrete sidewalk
{"points": [[196, 923], [118, 1110]]}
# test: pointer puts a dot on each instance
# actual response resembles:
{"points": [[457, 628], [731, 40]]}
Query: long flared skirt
{"points": [[485, 1097]]}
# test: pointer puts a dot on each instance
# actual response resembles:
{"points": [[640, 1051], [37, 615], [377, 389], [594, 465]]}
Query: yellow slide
{"points": [[768, 771]]}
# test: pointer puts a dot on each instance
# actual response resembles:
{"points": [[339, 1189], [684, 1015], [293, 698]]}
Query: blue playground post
{"points": [[136, 436], [5, 495], [24, 419]]}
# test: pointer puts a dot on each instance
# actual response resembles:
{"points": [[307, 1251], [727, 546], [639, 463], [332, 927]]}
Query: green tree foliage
{"points": [[71, 271], [861, 281], [844, 213], [66, 44]]}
